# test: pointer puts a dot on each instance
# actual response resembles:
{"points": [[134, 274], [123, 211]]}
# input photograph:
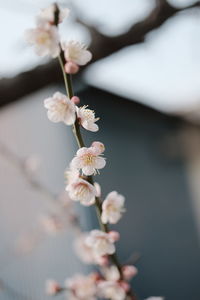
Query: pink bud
{"points": [[129, 272], [100, 148], [52, 287], [125, 286], [75, 99], [103, 260], [96, 276], [114, 235], [71, 68]]}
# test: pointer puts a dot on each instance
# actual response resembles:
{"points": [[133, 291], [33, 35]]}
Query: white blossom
{"points": [[52, 287], [101, 243], [81, 190], [100, 148], [45, 38], [87, 118], [98, 188], [76, 52], [71, 175], [60, 109], [111, 273], [47, 14], [129, 271], [52, 224], [88, 160], [86, 253], [82, 287], [112, 208], [111, 290]]}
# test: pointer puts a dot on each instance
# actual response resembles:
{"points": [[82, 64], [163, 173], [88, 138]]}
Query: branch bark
{"points": [[25, 83]]}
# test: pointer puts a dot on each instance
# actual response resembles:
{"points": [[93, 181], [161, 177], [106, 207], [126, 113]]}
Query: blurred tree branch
{"points": [[27, 82]]}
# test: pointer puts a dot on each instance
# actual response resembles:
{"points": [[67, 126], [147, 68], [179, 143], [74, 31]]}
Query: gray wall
{"points": [[159, 222]]}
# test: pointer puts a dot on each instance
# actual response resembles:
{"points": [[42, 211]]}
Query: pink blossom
{"points": [[86, 253], [101, 243], [114, 235], [87, 118], [112, 208], [47, 14], [98, 189], [60, 109], [100, 148], [76, 52], [82, 287], [51, 223], [71, 175], [129, 272], [52, 287], [111, 290], [125, 285], [88, 160], [111, 273], [45, 38], [81, 190]]}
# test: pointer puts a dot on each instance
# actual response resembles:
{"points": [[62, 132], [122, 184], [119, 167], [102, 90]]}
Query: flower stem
{"points": [[80, 142]]}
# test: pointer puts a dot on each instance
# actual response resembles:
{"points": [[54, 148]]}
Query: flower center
{"points": [[81, 190], [88, 114], [60, 107], [111, 208], [88, 159], [42, 38]]}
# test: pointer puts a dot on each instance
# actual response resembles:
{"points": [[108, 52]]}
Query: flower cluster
{"points": [[106, 284], [45, 37], [98, 246]]}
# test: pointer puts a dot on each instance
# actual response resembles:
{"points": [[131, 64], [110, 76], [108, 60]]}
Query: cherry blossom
{"points": [[82, 287], [60, 109], [87, 118], [98, 189], [111, 290], [76, 52], [111, 273], [112, 208], [71, 175], [88, 160], [114, 235], [81, 190], [86, 253], [45, 38], [129, 272], [52, 287], [47, 14], [101, 243], [52, 224], [100, 148]]}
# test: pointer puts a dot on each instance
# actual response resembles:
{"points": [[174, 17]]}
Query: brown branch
{"points": [[103, 46], [25, 83]]}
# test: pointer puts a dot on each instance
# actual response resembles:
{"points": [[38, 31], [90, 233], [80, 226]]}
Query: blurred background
{"points": [[144, 84]]}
